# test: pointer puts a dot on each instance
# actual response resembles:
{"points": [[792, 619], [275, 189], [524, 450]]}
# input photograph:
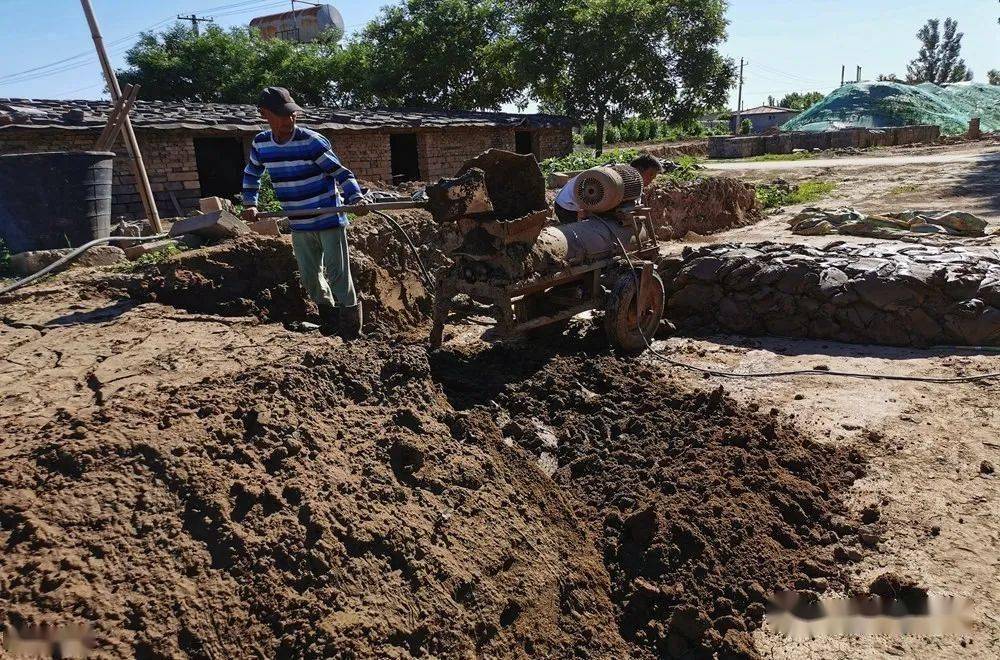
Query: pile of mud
{"points": [[700, 506], [331, 506], [705, 206], [257, 275]]}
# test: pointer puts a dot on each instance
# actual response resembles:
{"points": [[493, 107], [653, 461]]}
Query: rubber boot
{"points": [[329, 320], [351, 319]]}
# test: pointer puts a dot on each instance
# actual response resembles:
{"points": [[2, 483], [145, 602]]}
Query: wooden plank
{"points": [[540, 321], [116, 120], [131, 143]]}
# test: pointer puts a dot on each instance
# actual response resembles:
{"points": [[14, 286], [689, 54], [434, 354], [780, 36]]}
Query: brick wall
{"points": [[441, 152], [553, 142], [168, 155], [364, 153], [171, 166]]}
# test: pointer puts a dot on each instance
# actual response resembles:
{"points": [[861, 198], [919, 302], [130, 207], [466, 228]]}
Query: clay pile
{"points": [[705, 206], [256, 276], [700, 507], [880, 294], [333, 505]]}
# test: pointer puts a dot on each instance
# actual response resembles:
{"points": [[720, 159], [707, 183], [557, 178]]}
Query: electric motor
{"points": [[601, 189]]}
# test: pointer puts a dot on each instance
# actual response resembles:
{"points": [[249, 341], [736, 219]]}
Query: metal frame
{"points": [[509, 300]]}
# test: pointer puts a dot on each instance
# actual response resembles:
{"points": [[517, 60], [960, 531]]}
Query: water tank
{"points": [[301, 25], [55, 200]]}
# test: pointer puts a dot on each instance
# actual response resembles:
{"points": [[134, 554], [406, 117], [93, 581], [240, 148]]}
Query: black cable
{"points": [[792, 372], [73, 255], [428, 280]]}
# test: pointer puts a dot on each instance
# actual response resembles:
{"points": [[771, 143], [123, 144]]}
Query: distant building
{"points": [[194, 150], [762, 118]]}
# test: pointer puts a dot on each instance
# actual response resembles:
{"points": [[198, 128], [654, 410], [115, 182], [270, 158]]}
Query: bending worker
{"points": [[566, 209], [306, 175]]}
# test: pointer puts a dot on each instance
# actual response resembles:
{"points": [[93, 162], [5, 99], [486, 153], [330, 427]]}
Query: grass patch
{"points": [[583, 160], [802, 155], [150, 259], [772, 196], [904, 189]]}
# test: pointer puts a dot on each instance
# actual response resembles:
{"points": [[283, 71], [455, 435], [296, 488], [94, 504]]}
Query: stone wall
{"points": [[784, 143], [875, 294]]}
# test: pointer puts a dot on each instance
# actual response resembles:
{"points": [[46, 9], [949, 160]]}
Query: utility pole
{"points": [[195, 20], [739, 100], [131, 144], [843, 70]]}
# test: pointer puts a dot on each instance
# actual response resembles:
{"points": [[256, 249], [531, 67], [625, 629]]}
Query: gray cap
{"points": [[278, 101]]}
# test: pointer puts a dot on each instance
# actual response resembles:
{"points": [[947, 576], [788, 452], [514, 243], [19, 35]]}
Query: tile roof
{"points": [[766, 110], [225, 116]]}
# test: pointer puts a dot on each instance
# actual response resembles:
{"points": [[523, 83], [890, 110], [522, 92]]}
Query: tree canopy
{"points": [[797, 101], [451, 54], [605, 59], [939, 58], [228, 66], [599, 60]]}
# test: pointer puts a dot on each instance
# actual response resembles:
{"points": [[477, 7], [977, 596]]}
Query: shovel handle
{"points": [[379, 206]]}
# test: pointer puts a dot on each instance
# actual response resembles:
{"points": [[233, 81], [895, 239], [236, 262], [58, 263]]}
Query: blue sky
{"points": [[791, 45]]}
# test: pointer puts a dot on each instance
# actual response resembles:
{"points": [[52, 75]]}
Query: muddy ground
{"points": [[197, 482], [926, 443], [193, 478]]}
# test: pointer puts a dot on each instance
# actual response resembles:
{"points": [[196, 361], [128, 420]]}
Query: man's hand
{"points": [[249, 214], [360, 210]]}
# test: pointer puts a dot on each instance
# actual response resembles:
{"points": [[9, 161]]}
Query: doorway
{"points": [[523, 142], [220, 166], [403, 156]]}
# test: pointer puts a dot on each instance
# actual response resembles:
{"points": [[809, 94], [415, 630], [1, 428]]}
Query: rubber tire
{"points": [[620, 329]]}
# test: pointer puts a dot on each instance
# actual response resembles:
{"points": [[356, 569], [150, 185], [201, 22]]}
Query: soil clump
{"points": [[701, 507], [331, 506], [705, 206]]}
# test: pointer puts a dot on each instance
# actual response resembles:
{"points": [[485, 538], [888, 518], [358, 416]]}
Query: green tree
{"points": [[228, 66], [993, 76], [797, 101], [434, 53], [602, 60], [938, 60]]}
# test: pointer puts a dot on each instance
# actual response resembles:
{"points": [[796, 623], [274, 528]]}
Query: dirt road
{"points": [[858, 161]]}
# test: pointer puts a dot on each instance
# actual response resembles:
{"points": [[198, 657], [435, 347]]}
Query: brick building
{"points": [[194, 150]]}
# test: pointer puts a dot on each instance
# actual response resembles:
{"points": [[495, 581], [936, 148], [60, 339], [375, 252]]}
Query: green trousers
{"points": [[325, 266]]}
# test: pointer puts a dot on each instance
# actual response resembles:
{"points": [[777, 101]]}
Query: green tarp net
{"points": [[886, 104]]}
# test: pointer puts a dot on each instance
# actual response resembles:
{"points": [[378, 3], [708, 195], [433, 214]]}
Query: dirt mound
{"points": [[704, 206], [258, 275], [331, 506], [252, 276], [701, 506]]}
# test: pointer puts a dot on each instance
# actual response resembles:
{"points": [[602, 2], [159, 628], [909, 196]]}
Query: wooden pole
{"points": [[141, 180], [739, 101]]}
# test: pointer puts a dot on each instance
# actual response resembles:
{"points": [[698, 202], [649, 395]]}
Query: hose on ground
{"points": [[428, 280], [792, 372], [51, 268]]}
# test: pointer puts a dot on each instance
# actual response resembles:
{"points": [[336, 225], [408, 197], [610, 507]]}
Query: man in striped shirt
{"points": [[307, 175]]}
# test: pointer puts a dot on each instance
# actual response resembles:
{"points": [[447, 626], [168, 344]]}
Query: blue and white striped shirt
{"points": [[306, 175]]}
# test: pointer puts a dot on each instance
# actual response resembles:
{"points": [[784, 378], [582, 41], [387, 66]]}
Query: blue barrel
{"points": [[55, 200]]}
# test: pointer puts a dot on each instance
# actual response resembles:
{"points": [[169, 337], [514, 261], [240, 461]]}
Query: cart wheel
{"points": [[621, 321]]}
